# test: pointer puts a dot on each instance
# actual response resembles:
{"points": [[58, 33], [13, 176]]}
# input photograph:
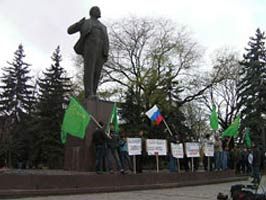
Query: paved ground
{"points": [[184, 193]]}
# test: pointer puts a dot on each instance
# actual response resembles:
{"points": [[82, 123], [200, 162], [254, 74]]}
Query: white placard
{"points": [[156, 146], [208, 149], [177, 150], [134, 146], [192, 149]]}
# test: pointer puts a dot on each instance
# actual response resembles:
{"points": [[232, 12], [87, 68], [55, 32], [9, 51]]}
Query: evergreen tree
{"points": [[16, 99], [252, 86], [173, 106], [132, 112], [54, 89]]}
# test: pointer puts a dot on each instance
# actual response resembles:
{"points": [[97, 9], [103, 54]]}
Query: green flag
{"points": [[75, 121], [247, 139], [114, 119], [232, 130], [214, 119]]}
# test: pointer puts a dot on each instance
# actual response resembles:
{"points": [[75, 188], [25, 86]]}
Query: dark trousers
{"points": [[112, 154], [139, 163], [100, 154], [205, 162], [172, 164], [195, 162], [125, 160], [185, 162], [256, 174], [218, 160]]}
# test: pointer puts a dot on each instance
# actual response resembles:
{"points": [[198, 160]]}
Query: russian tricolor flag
{"points": [[155, 115]]}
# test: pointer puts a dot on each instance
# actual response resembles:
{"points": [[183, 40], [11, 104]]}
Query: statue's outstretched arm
{"points": [[75, 27]]}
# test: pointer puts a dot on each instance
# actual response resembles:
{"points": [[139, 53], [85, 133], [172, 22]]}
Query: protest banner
{"points": [[208, 149], [192, 149], [156, 146], [134, 146], [177, 150]]}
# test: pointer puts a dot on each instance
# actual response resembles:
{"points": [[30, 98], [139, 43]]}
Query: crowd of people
{"points": [[227, 156], [112, 154], [242, 159]]}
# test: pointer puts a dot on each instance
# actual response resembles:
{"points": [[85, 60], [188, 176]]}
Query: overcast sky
{"points": [[40, 25]]}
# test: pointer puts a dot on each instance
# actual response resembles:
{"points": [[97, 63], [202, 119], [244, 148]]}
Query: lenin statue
{"points": [[93, 45]]}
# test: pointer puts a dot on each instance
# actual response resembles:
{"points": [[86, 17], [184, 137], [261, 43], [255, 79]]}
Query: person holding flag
{"points": [[112, 150], [231, 131], [113, 141], [99, 139]]}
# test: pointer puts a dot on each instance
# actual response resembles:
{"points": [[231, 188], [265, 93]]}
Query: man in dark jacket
{"points": [[256, 164], [99, 139]]}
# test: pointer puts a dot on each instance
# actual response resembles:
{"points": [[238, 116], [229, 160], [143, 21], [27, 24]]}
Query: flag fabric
{"points": [[247, 139], [155, 115], [232, 130], [76, 120], [214, 119], [114, 119]]}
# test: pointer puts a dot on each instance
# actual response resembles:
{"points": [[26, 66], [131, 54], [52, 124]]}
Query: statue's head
{"points": [[95, 12]]}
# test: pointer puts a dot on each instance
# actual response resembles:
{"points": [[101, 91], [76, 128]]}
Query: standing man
{"points": [[256, 163], [140, 158], [99, 139], [123, 147], [93, 45], [218, 150], [207, 161], [172, 163], [112, 151]]}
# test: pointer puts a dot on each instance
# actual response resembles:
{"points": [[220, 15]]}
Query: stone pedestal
{"points": [[80, 154]]}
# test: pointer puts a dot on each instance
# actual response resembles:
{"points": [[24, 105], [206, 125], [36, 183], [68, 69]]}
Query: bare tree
{"points": [[196, 119], [223, 93], [147, 54]]}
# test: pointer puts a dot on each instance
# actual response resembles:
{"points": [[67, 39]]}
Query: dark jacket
{"points": [[99, 137], [256, 158], [85, 26], [113, 142]]}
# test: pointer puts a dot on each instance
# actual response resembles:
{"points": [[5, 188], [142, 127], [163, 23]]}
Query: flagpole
{"points": [[243, 139], [96, 122], [157, 162], [228, 142], [168, 128]]}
